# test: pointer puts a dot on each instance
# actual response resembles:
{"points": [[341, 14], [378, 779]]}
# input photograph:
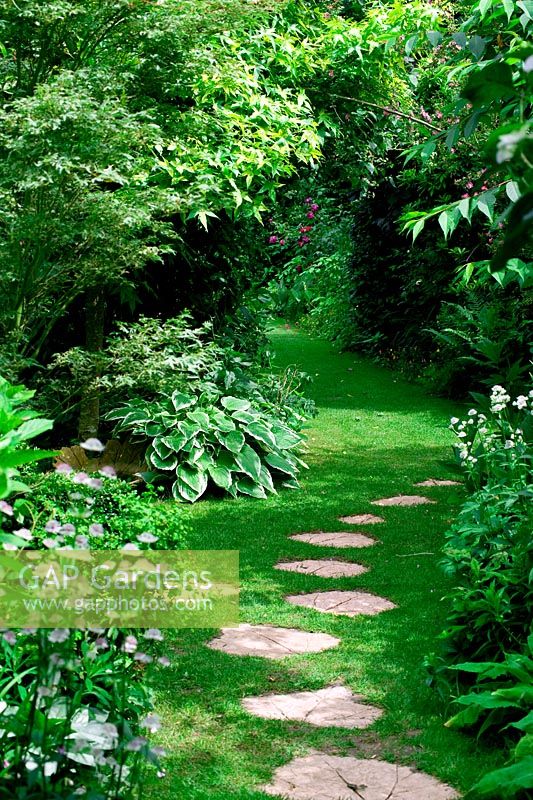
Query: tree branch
{"points": [[390, 110]]}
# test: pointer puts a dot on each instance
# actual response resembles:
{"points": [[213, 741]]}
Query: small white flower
{"points": [[130, 644], [461, 434], [50, 543], [520, 402], [96, 529], [93, 445], [24, 533], [6, 508], [154, 634], [147, 538], [164, 661], [509, 444], [472, 412], [454, 420]]}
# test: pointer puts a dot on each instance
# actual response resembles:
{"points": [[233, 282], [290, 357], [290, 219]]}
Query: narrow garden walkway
{"points": [[320, 693]]}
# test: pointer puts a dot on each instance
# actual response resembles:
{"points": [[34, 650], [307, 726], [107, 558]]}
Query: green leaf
{"points": [[281, 464], [265, 479], [247, 486], [512, 191], [418, 228], [32, 428], [485, 203], [477, 46], [508, 6], [221, 476], [233, 441], [175, 442], [514, 779], [201, 419], [493, 82], [168, 464], [195, 479], [235, 404], [249, 462], [259, 431], [161, 448], [181, 400]]}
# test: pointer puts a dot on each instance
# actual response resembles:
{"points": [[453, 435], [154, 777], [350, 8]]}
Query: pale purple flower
{"points": [[64, 469], [45, 691], [154, 634], [152, 722], [134, 745], [58, 635], [24, 533], [101, 643], [130, 546], [147, 538], [96, 529], [68, 529], [164, 661], [142, 658], [108, 472], [52, 526], [82, 542], [93, 445], [159, 752], [9, 546], [10, 637], [50, 543], [95, 483], [130, 644], [80, 477], [6, 508]]}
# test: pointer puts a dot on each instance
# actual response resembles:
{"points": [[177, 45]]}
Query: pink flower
{"points": [[310, 215], [308, 200], [6, 508], [282, 241], [272, 239], [484, 188], [64, 469], [108, 472], [439, 114], [299, 269], [465, 195], [314, 207], [331, 73]]}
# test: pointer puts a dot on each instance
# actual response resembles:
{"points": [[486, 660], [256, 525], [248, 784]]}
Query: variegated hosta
{"points": [[208, 439]]}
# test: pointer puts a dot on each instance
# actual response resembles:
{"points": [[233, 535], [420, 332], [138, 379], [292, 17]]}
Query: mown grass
{"points": [[375, 436]]}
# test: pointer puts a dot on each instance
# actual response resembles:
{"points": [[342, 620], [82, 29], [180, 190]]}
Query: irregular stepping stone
{"points": [[333, 707], [349, 604], [403, 500], [323, 777], [340, 539], [361, 519], [323, 567], [265, 641], [438, 482]]}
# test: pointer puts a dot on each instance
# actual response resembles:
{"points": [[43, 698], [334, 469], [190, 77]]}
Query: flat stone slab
{"points": [[333, 707], [361, 519], [349, 604], [404, 500], [323, 567], [266, 641], [339, 539], [438, 482], [323, 777]]}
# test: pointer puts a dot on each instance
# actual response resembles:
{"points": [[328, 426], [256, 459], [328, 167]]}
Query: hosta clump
{"points": [[214, 439]]}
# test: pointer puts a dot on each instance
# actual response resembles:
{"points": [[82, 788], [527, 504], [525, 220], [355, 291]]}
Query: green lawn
{"points": [[374, 437]]}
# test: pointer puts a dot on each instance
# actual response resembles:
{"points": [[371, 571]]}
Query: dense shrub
{"points": [[487, 661]]}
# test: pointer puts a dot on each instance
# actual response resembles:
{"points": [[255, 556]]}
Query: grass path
{"points": [[375, 436]]}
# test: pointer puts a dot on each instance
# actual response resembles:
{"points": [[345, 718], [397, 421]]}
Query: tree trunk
{"points": [[89, 419]]}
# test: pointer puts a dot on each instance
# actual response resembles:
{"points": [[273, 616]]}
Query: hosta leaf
{"points": [[162, 449], [32, 428], [246, 417], [265, 479], [221, 476], [291, 484], [168, 464], [175, 442], [248, 486], [249, 462], [196, 454], [155, 429], [200, 418], [515, 779], [188, 429], [282, 464], [182, 490], [233, 441], [222, 421], [235, 404], [194, 478], [259, 431], [204, 461], [285, 438], [181, 400]]}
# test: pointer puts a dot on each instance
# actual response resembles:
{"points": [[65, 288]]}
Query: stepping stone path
{"points": [[362, 519], [437, 482], [340, 539], [323, 777], [323, 568], [320, 776], [265, 641], [333, 707], [349, 604], [404, 500]]}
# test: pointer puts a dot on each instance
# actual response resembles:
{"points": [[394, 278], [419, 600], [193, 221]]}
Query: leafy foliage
{"points": [[211, 438]]}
